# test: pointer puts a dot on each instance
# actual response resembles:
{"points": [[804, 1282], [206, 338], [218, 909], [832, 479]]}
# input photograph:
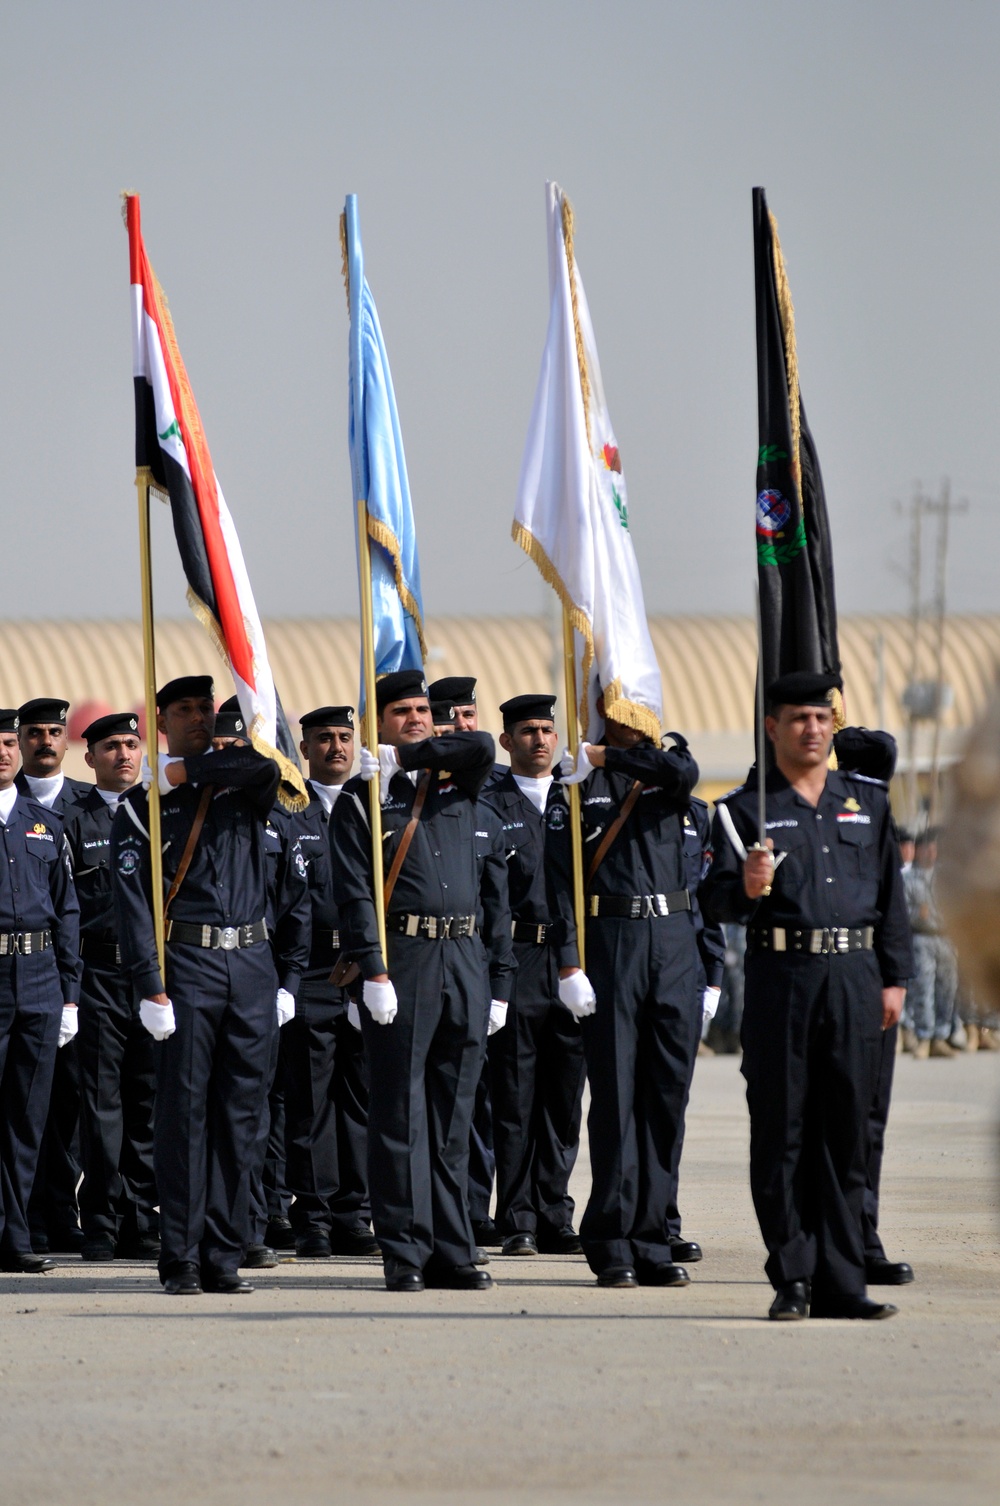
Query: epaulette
{"points": [[695, 800], [737, 790], [881, 784]]}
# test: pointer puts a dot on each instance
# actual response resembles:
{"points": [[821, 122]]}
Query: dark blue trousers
{"points": [[30, 1012], [211, 1084]]}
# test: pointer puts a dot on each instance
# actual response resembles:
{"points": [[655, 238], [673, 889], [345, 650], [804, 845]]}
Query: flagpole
{"points": [[371, 715], [143, 478], [576, 828]]}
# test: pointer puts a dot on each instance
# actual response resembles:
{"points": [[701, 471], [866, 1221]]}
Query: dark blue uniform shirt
{"points": [[539, 860], [37, 893], [647, 856]]}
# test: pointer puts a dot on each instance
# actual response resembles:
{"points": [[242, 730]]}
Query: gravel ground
{"points": [[322, 1387]]}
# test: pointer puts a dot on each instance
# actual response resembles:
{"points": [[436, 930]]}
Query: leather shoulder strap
{"points": [[613, 830], [408, 833], [189, 846]]}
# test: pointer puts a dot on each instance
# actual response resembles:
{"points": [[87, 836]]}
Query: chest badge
{"points": [[850, 804], [38, 828]]}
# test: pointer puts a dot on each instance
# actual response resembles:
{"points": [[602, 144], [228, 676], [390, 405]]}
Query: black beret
{"points": [[186, 687], [43, 711], [229, 719], [460, 690], [860, 751], [403, 685], [328, 716], [9, 719], [115, 724], [443, 713], [527, 708], [803, 687]]}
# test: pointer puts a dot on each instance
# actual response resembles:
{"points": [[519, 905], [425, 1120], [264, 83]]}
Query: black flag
{"points": [[798, 609]]}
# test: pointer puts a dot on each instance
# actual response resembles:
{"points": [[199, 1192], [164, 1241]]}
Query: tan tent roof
{"points": [[707, 665]]}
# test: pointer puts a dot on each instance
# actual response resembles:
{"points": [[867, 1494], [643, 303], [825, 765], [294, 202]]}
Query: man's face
{"points": [[802, 735], [907, 851], [616, 734], [9, 759], [218, 743], [406, 721], [329, 753], [115, 761], [43, 748], [466, 718], [188, 725], [531, 746]]}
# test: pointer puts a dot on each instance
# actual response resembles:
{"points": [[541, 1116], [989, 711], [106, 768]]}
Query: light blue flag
{"points": [[378, 471]]}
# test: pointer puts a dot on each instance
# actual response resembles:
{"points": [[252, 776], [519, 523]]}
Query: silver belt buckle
{"points": [[843, 940], [229, 938]]}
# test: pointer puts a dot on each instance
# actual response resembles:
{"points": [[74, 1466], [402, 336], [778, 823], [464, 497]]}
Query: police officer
{"points": [[288, 921], [711, 969], [455, 709], [424, 1030], [326, 1075], [215, 1025], [39, 989], [642, 956], [828, 956], [117, 1074], [53, 1214], [536, 1062]]}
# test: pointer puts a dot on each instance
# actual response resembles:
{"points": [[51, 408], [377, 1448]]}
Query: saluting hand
{"points": [[758, 871], [588, 758]]}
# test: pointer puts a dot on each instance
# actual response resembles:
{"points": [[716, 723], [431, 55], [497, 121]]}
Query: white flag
{"points": [[572, 507]]}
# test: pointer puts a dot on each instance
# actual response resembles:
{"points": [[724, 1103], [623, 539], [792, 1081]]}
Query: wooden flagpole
{"points": [[371, 714], [575, 820], [143, 481]]}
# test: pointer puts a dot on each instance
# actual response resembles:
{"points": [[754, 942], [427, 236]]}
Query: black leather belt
{"points": [[638, 906], [23, 943], [325, 946], [100, 953], [217, 938], [830, 942], [434, 927], [525, 930]]}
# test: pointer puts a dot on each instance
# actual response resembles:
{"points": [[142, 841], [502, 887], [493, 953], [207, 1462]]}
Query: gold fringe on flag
{"points": [[581, 354], [787, 313]]}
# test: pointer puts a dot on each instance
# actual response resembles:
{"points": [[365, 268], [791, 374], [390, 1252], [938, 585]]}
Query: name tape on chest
{"points": [[853, 818]]}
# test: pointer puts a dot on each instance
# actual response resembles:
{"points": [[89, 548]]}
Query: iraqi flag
{"points": [[572, 513], [798, 608], [170, 441]]}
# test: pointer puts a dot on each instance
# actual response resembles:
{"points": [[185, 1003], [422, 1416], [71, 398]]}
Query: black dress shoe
{"points": [[882, 1272], [357, 1241], [100, 1247], [685, 1251], [564, 1241], [228, 1283], [618, 1276], [519, 1244], [26, 1263], [141, 1247], [67, 1240], [259, 1258], [403, 1278], [279, 1234], [791, 1303], [852, 1307], [313, 1246], [183, 1281], [485, 1232], [458, 1278], [665, 1274]]}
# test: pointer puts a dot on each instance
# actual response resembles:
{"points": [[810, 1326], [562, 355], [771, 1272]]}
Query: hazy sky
{"points": [[873, 126]]}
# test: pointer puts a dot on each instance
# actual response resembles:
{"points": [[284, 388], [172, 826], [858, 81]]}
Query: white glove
{"points": [[353, 1017], [710, 1002], [380, 1001], [146, 773], [583, 765], [576, 994], [385, 764], [498, 1016], [69, 1024], [285, 1006], [157, 1018]]}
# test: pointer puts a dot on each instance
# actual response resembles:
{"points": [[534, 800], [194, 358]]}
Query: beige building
{"points": [[707, 665]]}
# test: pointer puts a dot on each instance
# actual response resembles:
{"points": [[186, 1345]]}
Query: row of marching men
{"points": [[276, 971], [285, 1084]]}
